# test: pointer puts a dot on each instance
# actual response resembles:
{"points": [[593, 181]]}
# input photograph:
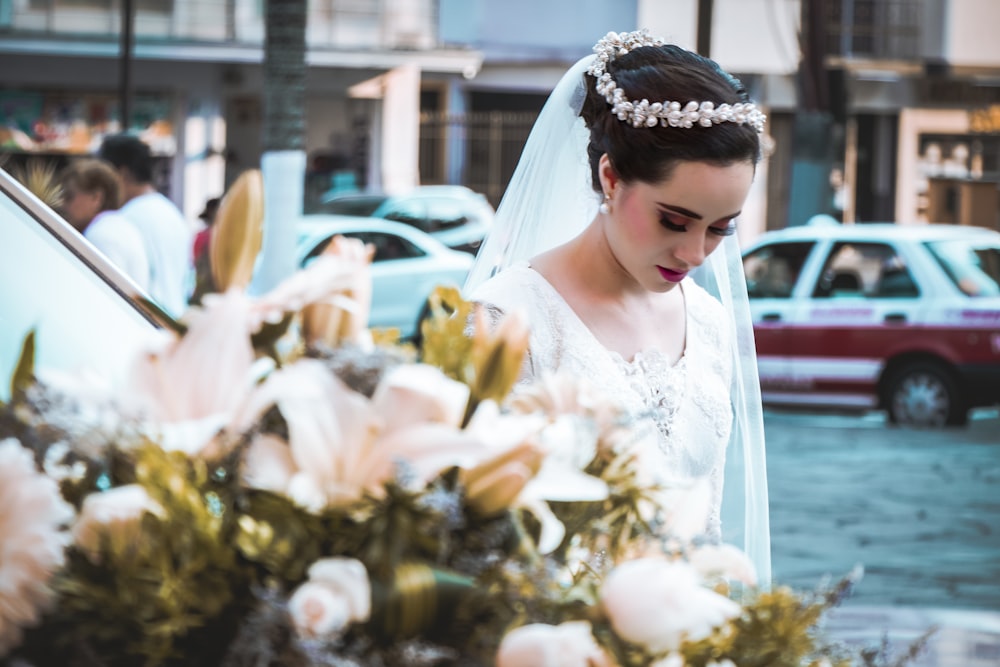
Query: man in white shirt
{"points": [[166, 234], [91, 195]]}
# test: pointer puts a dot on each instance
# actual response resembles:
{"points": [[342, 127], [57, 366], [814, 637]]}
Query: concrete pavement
{"points": [[920, 510]]}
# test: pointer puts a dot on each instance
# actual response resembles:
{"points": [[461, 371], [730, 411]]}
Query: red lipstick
{"points": [[672, 276]]}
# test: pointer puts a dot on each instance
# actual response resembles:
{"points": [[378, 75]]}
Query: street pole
{"points": [[125, 66], [704, 45]]}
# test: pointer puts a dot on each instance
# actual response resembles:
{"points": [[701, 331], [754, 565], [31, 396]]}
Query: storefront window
{"points": [[43, 122]]}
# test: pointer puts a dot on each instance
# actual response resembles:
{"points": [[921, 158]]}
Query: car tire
{"points": [[924, 394]]}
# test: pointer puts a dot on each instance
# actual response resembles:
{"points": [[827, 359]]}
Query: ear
{"points": [[609, 177]]}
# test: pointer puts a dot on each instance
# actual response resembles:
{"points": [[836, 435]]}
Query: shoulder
{"points": [[517, 286], [113, 224]]}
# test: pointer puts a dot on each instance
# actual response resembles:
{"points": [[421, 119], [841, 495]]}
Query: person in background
{"points": [[199, 252], [92, 194], [165, 233]]}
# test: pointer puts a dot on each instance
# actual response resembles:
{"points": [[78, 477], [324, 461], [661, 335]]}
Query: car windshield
{"points": [[973, 265]]}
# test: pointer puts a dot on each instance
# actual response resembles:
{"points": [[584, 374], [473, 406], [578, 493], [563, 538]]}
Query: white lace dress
{"points": [[689, 401]]}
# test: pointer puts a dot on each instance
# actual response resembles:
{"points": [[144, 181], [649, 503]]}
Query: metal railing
{"points": [[483, 147]]}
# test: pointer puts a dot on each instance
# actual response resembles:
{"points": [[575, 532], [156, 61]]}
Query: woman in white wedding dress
{"points": [[616, 237]]}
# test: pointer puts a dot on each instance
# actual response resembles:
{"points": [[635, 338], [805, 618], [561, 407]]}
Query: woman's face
{"points": [[79, 207], [660, 232]]}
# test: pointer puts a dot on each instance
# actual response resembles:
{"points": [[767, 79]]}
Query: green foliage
{"points": [[146, 598]]}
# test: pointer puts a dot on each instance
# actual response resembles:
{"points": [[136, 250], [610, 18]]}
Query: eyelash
{"points": [[729, 230]]}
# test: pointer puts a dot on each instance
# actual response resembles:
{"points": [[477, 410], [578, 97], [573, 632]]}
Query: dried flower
{"points": [[32, 514], [238, 232]]}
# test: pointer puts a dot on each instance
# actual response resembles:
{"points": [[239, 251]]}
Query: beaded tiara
{"points": [[666, 113]]}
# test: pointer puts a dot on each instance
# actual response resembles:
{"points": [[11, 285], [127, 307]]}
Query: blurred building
{"points": [[197, 78], [878, 109]]}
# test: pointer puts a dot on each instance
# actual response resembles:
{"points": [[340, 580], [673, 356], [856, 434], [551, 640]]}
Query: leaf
{"points": [[24, 371]]}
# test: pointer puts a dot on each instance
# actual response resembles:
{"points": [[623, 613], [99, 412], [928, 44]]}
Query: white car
{"points": [[455, 215], [408, 265], [904, 318], [86, 314]]}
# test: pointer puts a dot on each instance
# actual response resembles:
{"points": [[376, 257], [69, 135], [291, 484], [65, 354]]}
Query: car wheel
{"points": [[924, 394]]}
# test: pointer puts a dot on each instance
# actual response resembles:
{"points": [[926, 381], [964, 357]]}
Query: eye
{"points": [[671, 224], [728, 230]]}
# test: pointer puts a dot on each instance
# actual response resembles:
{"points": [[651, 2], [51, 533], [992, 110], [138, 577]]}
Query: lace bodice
{"points": [[687, 402]]}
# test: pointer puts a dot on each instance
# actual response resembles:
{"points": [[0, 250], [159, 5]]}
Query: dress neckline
{"points": [[644, 357]]}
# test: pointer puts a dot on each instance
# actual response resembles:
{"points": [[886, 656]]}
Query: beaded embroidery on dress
{"points": [[688, 403]]}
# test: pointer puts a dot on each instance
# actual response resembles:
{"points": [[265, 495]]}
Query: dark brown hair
{"points": [[649, 155]]}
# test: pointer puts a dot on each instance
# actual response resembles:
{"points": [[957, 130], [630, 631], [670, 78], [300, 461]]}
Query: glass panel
{"points": [[973, 266], [865, 270], [773, 270], [81, 322]]}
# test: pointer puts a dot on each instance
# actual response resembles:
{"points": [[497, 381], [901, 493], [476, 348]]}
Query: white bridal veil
{"points": [[549, 201]]}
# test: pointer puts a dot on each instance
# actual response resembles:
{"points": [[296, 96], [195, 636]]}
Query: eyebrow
{"points": [[691, 214]]}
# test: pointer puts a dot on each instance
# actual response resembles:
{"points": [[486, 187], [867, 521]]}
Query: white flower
{"points": [[114, 515], [672, 660], [570, 644], [658, 604], [32, 513], [337, 594], [188, 385], [723, 560], [413, 393], [338, 449]]}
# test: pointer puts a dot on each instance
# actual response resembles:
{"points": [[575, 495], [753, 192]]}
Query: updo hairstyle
{"points": [[649, 154]]}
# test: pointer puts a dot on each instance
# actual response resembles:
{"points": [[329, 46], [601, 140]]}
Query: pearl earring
{"points": [[605, 207]]}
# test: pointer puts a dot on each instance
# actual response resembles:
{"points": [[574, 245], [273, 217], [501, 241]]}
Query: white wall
{"points": [[971, 33], [756, 36]]}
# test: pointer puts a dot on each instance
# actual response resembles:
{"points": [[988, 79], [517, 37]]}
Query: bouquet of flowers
{"points": [[280, 485]]}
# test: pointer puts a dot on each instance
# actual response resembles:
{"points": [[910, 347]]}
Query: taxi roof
{"points": [[879, 231]]}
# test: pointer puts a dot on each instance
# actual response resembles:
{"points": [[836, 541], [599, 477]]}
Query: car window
{"points": [[81, 320], [773, 270], [412, 212], [973, 267], [865, 270], [387, 246], [361, 206]]}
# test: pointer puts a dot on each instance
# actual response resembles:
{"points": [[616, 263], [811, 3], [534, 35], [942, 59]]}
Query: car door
{"points": [[773, 273], [86, 315], [860, 308]]}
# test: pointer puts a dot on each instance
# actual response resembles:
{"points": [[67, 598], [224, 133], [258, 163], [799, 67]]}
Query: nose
{"points": [[692, 250]]}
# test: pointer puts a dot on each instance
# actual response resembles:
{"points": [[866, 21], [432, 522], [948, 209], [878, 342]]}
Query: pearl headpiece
{"points": [[646, 114]]}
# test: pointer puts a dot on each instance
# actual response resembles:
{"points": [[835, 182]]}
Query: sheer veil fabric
{"points": [[549, 201]]}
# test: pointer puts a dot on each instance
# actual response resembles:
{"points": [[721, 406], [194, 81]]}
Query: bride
{"points": [[617, 238]]}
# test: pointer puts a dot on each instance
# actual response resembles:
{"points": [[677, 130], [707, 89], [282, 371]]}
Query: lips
{"points": [[672, 276]]}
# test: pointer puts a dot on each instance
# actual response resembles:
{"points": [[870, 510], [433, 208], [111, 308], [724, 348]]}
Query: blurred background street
{"points": [[918, 509]]}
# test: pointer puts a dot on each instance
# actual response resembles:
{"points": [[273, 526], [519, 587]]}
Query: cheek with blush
{"points": [[636, 223]]}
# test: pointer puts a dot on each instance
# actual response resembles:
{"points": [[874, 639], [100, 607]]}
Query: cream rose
{"points": [[570, 644], [114, 514], [724, 560], [658, 604], [337, 594]]}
